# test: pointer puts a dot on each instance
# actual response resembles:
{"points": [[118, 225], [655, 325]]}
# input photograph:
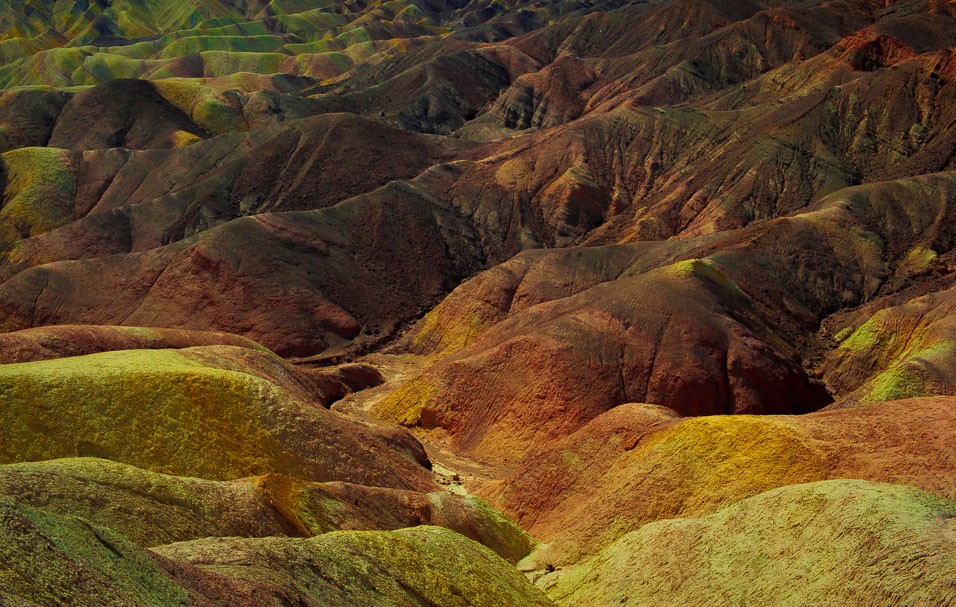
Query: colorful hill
{"points": [[294, 294], [192, 413], [153, 509], [640, 463], [826, 542], [357, 567]]}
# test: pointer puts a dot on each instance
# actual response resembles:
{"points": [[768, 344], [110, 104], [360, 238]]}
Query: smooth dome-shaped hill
{"points": [[193, 413], [409, 567], [638, 463], [426, 565], [147, 507], [323, 507], [825, 543], [153, 509]]}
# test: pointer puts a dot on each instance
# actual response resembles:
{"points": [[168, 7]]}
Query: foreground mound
{"points": [[75, 559], [427, 565], [421, 566], [153, 509], [828, 543], [638, 463], [219, 413]]}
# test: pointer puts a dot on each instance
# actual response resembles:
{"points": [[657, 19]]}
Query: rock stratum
{"points": [[477, 302]]}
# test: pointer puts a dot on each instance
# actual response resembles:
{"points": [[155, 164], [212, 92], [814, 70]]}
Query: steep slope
{"points": [[902, 351], [78, 559], [642, 173]]}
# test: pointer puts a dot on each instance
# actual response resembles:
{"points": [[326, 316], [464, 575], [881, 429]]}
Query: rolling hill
{"points": [[478, 302]]}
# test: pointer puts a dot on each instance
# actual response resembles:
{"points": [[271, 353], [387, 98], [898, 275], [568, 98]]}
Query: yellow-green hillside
{"points": [[166, 411], [152, 509], [420, 566], [827, 543]]}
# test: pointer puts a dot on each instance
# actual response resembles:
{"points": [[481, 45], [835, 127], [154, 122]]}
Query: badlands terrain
{"points": [[478, 302]]}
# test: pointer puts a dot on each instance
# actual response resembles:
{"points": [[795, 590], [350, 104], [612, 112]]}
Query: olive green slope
{"points": [[825, 543], [193, 413], [53, 560], [901, 351], [153, 509], [148, 508], [409, 567], [38, 192], [50, 560]]}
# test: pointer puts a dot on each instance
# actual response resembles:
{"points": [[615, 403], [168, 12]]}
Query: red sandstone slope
{"points": [[536, 347]]}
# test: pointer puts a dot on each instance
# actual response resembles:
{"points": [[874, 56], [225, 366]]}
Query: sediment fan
{"points": [[424, 302]]}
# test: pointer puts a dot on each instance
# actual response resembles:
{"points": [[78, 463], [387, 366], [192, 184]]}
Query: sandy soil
{"points": [[457, 474]]}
